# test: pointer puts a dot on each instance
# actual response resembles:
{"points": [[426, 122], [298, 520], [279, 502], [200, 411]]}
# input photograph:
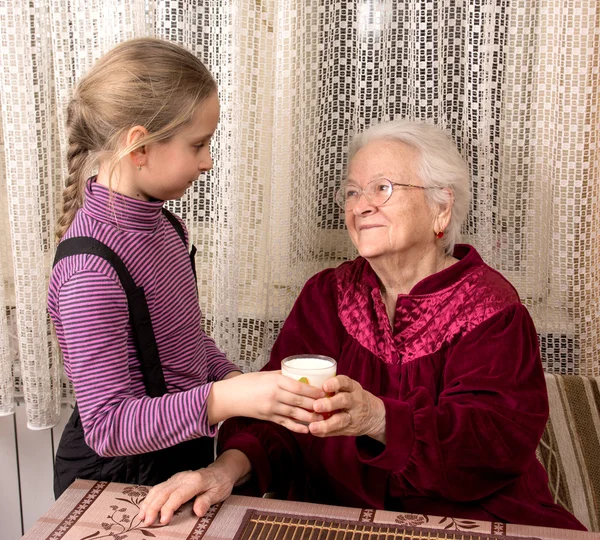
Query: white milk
{"points": [[316, 369]]}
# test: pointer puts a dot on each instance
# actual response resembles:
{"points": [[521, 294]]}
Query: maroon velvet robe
{"points": [[463, 388]]}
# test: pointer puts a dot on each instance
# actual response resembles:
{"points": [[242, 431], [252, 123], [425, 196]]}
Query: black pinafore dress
{"points": [[74, 458]]}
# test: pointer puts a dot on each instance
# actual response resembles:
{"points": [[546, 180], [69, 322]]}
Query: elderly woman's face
{"points": [[405, 223]]}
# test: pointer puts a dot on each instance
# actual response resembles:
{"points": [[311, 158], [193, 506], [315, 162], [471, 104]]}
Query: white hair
{"points": [[441, 166]]}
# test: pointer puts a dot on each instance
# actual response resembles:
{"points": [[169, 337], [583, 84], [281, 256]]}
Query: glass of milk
{"points": [[313, 369]]}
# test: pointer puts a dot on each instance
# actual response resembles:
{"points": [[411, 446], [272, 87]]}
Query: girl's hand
{"points": [[355, 411], [210, 486], [265, 395]]}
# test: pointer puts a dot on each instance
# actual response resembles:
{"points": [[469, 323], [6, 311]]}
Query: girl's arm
{"points": [[117, 420], [266, 395]]}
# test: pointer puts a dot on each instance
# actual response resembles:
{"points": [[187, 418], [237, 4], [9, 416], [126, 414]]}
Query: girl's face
{"points": [[171, 167]]}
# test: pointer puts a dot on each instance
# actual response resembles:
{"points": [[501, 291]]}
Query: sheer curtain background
{"points": [[516, 83]]}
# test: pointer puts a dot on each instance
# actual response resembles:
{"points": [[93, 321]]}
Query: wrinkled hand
{"points": [[266, 395], [356, 411], [210, 486]]}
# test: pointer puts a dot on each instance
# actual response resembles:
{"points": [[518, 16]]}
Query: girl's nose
{"points": [[206, 163]]}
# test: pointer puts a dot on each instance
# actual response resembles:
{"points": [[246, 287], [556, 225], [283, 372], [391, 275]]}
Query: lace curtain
{"points": [[516, 83]]}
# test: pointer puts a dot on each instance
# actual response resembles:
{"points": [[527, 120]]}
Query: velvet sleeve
{"points": [[275, 452], [483, 429]]}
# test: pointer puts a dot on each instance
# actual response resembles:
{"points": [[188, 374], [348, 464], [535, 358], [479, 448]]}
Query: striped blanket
{"points": [[570, 446]]}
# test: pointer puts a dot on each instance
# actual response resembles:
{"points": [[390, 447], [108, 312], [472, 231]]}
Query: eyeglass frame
{"points": [[361, 191]]}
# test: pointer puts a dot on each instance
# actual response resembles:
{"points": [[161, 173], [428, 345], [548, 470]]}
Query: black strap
{"points": [[175, 222], [84, 244], [139, 315], [177, 226]]}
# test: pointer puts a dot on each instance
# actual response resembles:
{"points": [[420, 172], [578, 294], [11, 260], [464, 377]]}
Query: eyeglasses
{"points": [[377, 192]]}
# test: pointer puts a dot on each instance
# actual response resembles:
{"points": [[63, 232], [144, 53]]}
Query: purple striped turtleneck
{"points": [[90, 312]]}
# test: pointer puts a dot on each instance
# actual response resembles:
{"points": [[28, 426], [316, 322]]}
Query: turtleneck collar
{"points": [[119, 210]]}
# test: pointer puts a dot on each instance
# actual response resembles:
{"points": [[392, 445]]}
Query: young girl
{"points": [[151, 386]]}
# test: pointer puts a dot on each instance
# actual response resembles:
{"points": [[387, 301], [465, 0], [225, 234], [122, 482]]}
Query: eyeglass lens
{"points": [[377, 193]]}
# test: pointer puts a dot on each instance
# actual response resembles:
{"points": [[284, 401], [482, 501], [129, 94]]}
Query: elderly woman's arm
{"points": [[483, 430]]}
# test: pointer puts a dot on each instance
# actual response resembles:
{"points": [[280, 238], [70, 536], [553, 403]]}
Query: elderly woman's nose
{"points": [[363, 204]]}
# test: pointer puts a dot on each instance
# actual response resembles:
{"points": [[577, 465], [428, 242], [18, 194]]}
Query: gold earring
{"points": [[139, 167]]}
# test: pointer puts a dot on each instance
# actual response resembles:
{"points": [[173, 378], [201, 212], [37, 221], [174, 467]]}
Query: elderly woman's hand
{"points": [[355, 411], [210, 486]]}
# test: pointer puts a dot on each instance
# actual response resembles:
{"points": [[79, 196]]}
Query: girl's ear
{"points": [[445, 213], [135, 134]]}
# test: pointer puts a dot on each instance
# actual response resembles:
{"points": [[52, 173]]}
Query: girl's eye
{"points": [[198, 146]]}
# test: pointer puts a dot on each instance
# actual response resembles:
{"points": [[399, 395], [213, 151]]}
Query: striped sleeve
{"points": [[94, 318]]}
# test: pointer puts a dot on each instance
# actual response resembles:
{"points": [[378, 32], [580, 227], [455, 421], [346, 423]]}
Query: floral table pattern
{"points": [[91, 510]]}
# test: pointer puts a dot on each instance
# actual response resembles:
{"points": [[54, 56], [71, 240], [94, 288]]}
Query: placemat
{"points": [[260, 525]]}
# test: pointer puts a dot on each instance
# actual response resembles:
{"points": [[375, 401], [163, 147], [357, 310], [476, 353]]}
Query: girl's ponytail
{"points": [[77, 162]]}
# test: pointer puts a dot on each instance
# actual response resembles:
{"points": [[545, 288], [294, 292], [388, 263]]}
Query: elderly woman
{"points": [[440, 399]]}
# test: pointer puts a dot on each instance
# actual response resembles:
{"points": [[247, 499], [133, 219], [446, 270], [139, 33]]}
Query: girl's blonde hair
{"points": [[147, 82]]}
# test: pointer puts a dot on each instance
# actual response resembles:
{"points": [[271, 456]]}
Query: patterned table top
{"points": [[91, 510]]}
